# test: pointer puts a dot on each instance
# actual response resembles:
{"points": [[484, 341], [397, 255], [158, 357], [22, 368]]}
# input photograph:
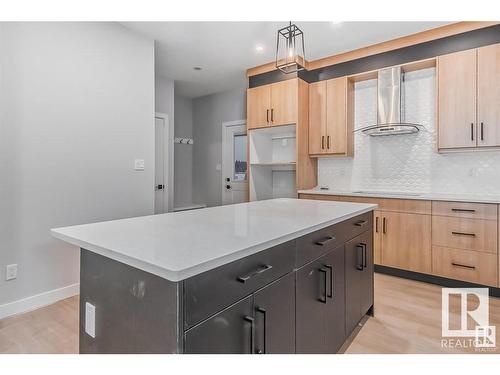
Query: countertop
{"points": [[476, 198], [179, 245]]}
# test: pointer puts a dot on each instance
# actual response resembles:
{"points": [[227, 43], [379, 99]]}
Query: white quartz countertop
{"points": [[474, 198], [179, 245]]}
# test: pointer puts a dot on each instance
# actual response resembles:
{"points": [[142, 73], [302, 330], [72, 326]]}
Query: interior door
{"points": [[284, 102], [317, 117], [161, 154], [258, 106], [406, 241], [336, 120], [488, 95], [228, 332], [234, 164], [274, 310], [457, 99]]}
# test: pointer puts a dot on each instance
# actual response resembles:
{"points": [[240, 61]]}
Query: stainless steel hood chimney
{"points": [[389, 104]]}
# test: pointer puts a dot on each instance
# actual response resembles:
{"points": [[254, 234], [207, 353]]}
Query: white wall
{"points": [[209, 112], [78, 107], [408, 163], [183, 169]]}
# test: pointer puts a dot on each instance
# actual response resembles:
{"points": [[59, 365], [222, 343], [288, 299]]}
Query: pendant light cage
{"points": [[290, 53]]}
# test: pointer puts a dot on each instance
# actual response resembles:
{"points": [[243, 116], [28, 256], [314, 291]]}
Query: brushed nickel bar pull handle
{"points": [[244, 279], [464, 234], [325, 241], [482, 132], [471, 131], [463, 266], [360, 223], [463, 210]]}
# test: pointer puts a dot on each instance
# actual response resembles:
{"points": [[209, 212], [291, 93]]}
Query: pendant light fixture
{"points": [[290, 54]]}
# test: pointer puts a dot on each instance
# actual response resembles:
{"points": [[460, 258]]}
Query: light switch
{"points": [[139, 164], [90, 319]]}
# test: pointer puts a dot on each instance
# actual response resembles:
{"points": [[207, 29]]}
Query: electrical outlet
{"points": [[139, 164], [11, 272]]}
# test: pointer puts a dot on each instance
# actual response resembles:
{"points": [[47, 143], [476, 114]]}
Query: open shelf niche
{"points": [[273, 158]]}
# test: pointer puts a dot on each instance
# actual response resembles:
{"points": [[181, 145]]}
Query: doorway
{"points": [[163, 165], [234, 162]]}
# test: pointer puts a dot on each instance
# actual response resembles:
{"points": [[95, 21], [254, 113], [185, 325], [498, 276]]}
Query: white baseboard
{"points": [[38, 300]]}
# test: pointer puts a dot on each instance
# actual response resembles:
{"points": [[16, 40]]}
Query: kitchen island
{"points": [[274, 276]]}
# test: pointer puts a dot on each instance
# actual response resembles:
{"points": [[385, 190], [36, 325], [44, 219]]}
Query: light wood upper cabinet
{"points": [[406, 241], [272, 105], [328, 118], [258, 106], [488, 95], [284, 102], [457, 99], [317, 117]]}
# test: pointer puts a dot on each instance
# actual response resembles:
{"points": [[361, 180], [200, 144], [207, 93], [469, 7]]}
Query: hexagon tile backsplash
{"points": [[408, 163]]}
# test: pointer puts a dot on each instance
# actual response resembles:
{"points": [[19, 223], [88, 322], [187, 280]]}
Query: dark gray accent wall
{"points": [[454, 43]]}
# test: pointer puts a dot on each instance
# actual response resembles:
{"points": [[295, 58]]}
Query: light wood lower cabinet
{"points": [[480, 268], [405, 241]]}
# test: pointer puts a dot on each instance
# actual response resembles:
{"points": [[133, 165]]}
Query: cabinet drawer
{"points": [[472, 266], [212, 291], [316, 244], [469, 234], [465, 210]]}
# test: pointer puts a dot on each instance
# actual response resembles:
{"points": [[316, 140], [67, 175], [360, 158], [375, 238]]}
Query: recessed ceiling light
{"points": [[197, 68], [259, 48]]}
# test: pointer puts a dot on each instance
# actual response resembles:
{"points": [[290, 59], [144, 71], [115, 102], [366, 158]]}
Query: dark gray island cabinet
{"points": [[276, 276], [302, 296]]}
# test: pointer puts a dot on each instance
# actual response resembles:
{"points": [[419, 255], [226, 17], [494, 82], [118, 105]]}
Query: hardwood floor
{"points": [[407, 320]]}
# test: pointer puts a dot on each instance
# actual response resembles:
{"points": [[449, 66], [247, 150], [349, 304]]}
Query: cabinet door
{"points": [[228, 332], [258, 106], [317, 117], [311, 308], [488, 95], [320, 304], [336, 120], [335, 314], [284, 102], [377, 237], [274, 310], [359, 278], [457, 99], [406, 241]]}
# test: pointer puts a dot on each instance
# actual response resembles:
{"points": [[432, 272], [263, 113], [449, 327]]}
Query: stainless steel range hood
{"points": [[389, 93]]}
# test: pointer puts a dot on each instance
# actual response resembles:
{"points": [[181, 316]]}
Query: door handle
{"points": [[364, 254], [463, 266], [264, 314], [328, 142], [384, 226], [359, 248], [322, 142], [244, 279], [360, 223], [272, 114], [321, 298], [463, 210], [252, 329], [471, 131], [330, 268], [482, 132], [325, 241], [267, 115], [463, 234], [376, 224]]}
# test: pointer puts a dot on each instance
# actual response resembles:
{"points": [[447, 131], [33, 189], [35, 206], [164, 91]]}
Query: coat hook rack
{"points": [[184, 141]]}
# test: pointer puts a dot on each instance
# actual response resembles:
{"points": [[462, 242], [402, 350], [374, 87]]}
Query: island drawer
{"points": [[320, 242], [214, 290]]}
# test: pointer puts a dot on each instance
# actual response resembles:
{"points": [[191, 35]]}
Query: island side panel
{"points": [[135, 311]]}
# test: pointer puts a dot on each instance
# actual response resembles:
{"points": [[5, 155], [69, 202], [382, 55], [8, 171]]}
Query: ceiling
{"points": [[224, 50]]}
